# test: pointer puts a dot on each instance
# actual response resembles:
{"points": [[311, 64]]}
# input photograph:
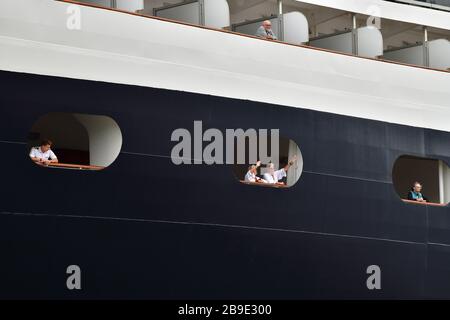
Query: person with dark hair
{"points": [[43, 154], [416, 193]]}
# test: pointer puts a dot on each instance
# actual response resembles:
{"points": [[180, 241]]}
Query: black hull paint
{"points": [[145, 228]]}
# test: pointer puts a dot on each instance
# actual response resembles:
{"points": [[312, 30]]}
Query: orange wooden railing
{"points": [[425, 203], [72, 166]]}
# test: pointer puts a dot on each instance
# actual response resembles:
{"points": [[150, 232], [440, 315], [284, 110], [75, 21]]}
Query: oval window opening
{"points": [[74, 141], [422, 180], [272, 168]]}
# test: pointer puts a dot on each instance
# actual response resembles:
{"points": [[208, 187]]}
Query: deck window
{"points": [[79, 141], [280, 172], [432, 174]]}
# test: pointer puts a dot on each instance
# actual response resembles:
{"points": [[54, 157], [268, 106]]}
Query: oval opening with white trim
{"points": [[422, 180], [281, 169], [74, 141]]}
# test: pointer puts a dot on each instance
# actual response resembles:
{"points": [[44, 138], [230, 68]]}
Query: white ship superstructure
{"points": [[133, 47]]}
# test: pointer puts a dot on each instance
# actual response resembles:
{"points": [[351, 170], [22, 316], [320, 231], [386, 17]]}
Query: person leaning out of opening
{"points": [[273, 176], [251, 176], [416, 193], [43, 155]]}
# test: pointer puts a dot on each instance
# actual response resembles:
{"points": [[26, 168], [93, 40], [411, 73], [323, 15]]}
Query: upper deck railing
{"points": [[434, 4], [303, 45]]}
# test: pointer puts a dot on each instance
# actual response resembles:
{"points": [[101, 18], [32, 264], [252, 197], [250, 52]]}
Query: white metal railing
{"points": [[118, 4], [434, 4]]}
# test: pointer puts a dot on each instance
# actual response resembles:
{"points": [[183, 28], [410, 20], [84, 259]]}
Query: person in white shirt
{"points": [[274, 176], [251, 176], [43, 155]]}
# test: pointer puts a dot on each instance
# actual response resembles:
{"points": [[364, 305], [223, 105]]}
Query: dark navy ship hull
{"points": [[146, 228]]}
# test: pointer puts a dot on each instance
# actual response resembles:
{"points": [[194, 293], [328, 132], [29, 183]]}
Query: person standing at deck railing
{"points": [[265, 31]]}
